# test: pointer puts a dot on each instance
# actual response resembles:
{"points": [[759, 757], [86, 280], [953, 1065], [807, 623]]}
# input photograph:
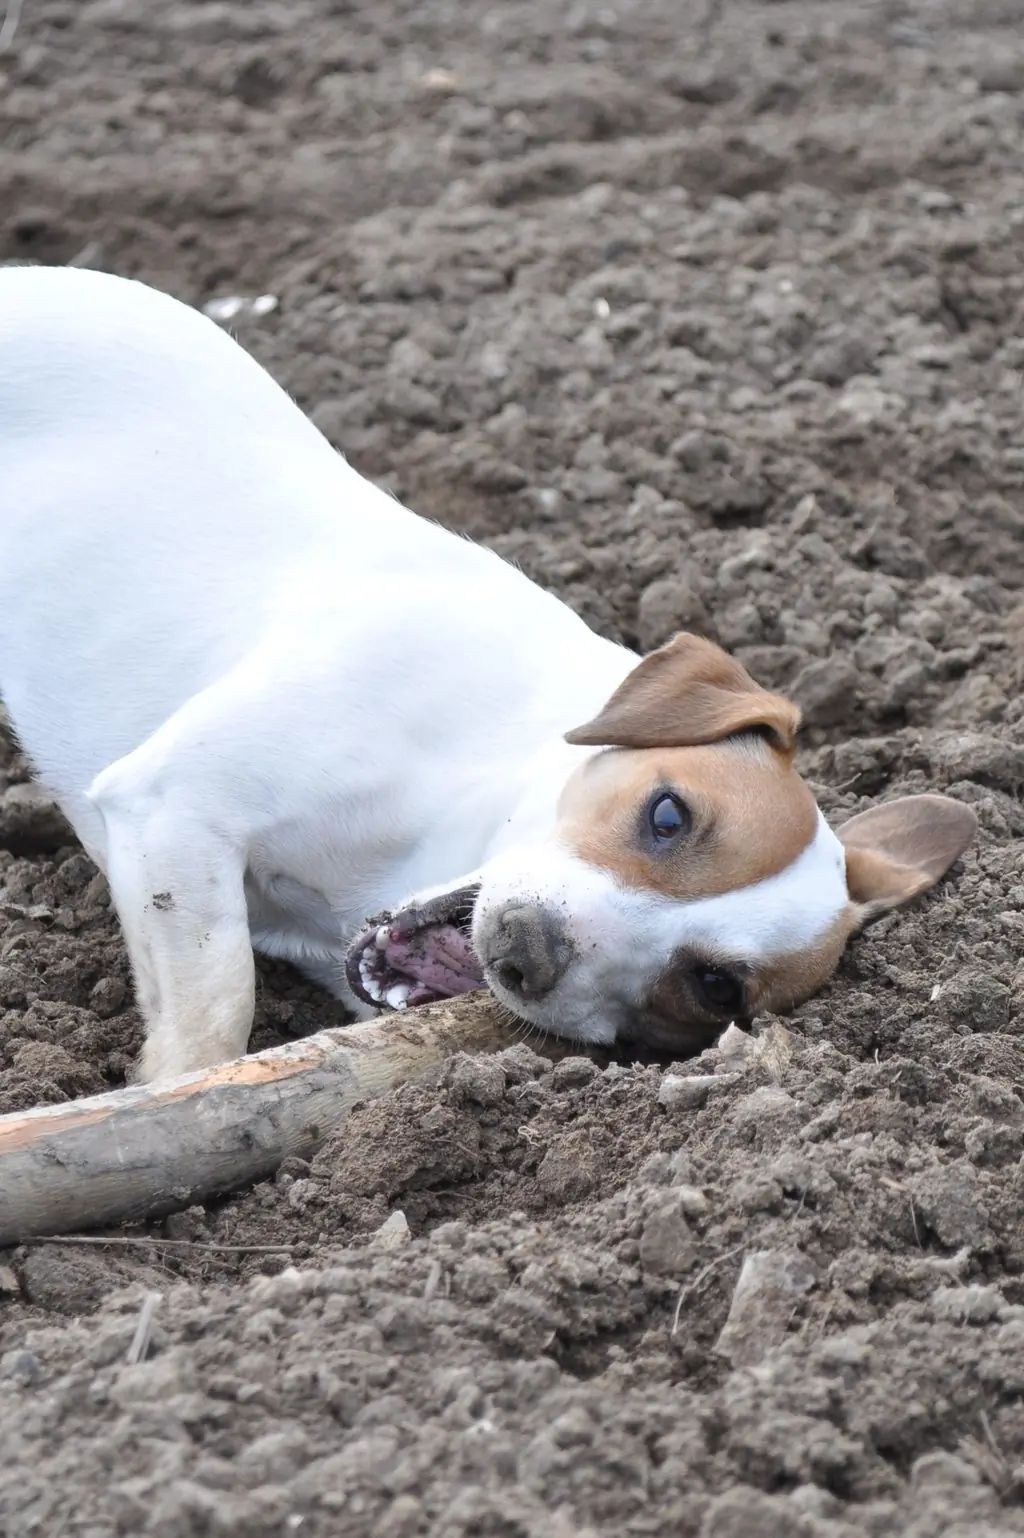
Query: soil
{"points": [[709, 318]]}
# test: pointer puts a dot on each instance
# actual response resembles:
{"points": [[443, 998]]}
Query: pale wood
{"points": [[143, 1151]]}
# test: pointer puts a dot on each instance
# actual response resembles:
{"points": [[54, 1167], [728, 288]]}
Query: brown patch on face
{"points": [[752, 816], [677, 1018], [784, 981], [674, 1018]]}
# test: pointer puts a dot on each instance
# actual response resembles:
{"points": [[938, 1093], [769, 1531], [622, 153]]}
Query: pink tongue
{"points": [[438, 957]]}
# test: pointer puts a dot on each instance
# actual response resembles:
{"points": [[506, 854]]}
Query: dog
{"points": [[271, 701]]}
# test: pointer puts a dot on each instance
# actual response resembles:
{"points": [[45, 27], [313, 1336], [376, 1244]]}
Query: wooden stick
{"points": [[144, 1329], [143, 1151]]}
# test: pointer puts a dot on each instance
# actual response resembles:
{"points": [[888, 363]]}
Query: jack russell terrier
{"points": [[271, 701]]}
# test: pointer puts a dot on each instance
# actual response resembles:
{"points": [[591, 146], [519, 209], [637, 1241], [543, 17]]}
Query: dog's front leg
{"points": [[177, 882]]}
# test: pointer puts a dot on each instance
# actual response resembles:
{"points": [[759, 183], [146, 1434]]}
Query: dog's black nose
{"points": [[526, 949]]}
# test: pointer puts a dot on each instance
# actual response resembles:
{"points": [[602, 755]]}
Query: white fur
{"points": [[623, 938], [269, 698], [263, 691]]}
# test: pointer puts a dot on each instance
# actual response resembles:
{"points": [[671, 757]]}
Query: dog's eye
{"points": [[720, 990], [668, 817]]}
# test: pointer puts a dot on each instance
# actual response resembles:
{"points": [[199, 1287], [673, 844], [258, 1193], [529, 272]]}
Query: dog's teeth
{"points": [[369, 982], [398, 996], [380, 939]]}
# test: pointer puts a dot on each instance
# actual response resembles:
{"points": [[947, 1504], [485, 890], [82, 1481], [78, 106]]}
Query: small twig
{"points": [[990, 1459], [822, 1322], [691, 1287], [12, 16], [945, 1265], [169, 1244], [848, 784], [88, 256], [913, 1219], [986, 1427], [144, 1329]]}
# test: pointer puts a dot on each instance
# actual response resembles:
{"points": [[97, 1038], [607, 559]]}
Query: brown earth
{"points": [[710, 318]]}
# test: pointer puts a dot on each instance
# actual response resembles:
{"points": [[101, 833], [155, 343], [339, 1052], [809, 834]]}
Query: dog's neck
{"points": [[517, 805], [544, 761], [532, 817]]}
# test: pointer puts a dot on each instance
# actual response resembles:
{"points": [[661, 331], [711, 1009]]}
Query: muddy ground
{"points": [[709, 317]]}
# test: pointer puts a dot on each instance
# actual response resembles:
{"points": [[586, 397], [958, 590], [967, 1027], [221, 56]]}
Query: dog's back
{"points": [[160, 496], [165, 509]]}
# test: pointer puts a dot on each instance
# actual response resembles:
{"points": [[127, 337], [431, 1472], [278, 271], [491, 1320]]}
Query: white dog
{"points": [[272, 701]]}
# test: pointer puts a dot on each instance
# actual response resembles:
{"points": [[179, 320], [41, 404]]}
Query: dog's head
{"points": [[690, 879]]}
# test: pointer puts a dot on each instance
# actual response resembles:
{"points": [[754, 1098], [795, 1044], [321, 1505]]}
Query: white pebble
{"points": [[686, 1092], [225, 309], [394, 1231], [231, 306]]}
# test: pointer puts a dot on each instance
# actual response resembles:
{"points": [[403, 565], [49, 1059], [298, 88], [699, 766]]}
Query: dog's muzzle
{"points": [[524, 950], [417, 955]]}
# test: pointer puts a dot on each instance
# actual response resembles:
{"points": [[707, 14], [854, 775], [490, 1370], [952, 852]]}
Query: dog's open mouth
{"points": [[417, 955]]}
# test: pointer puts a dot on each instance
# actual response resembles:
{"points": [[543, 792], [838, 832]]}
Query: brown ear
{"points": [[686, 693], [896, 851]]}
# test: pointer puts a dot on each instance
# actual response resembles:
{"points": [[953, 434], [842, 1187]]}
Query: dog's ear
{"points": [[687, 693], [897, 851]]}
